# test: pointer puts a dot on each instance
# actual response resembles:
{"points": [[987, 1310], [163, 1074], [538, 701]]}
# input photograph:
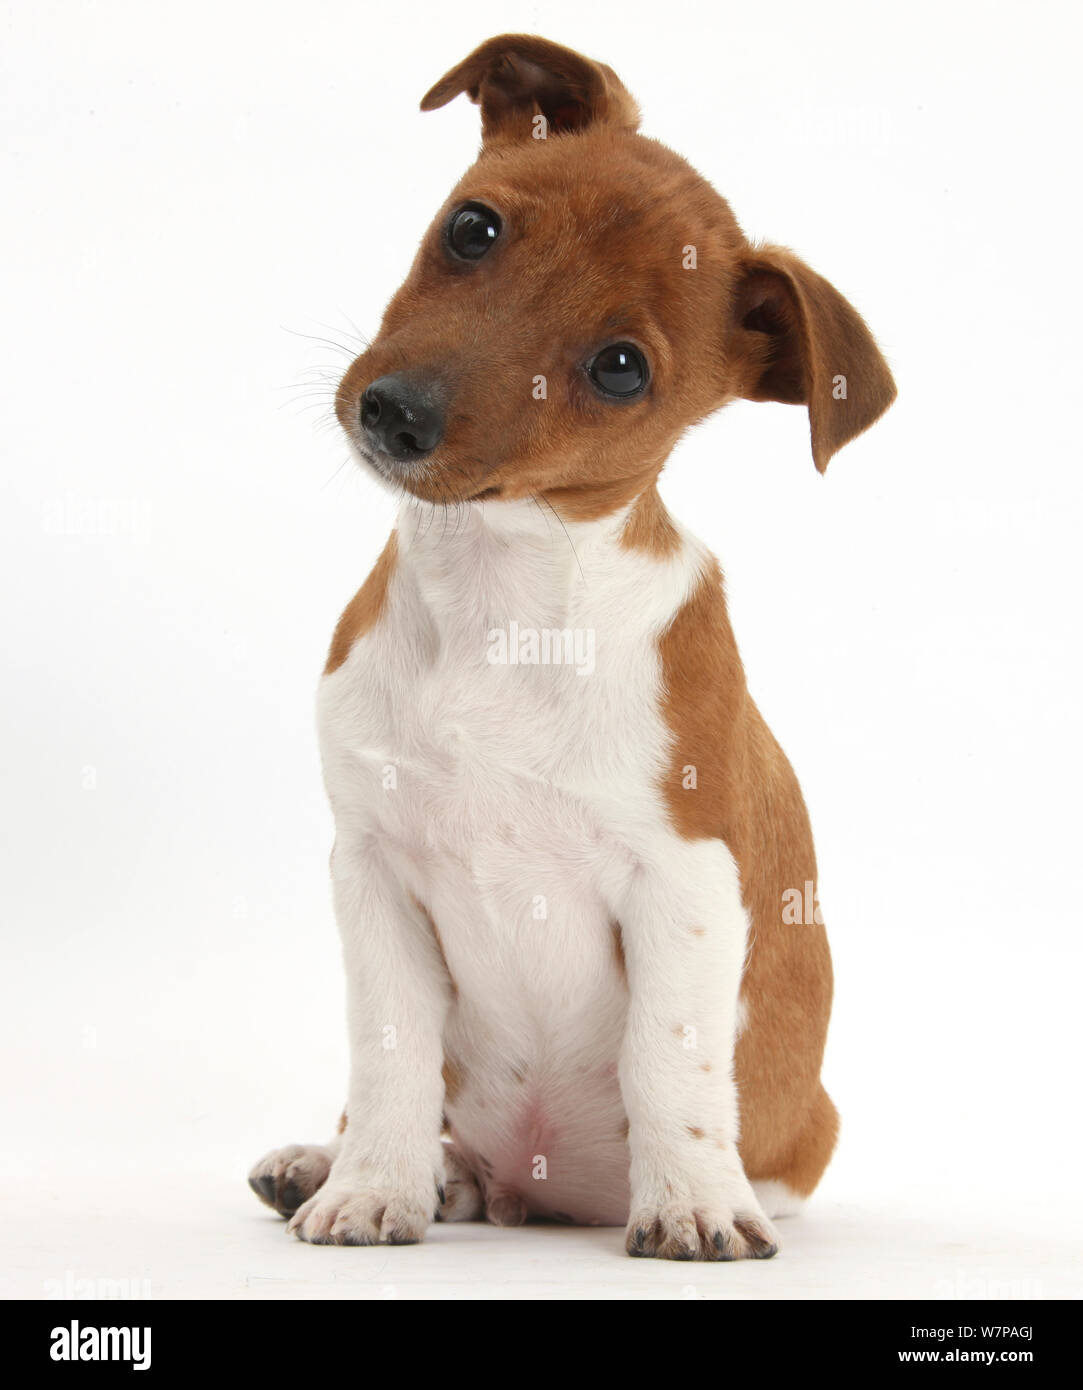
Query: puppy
{"points": [[568, 849]]}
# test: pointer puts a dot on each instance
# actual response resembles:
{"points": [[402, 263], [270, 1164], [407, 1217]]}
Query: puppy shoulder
{"points": [[364, 610]]}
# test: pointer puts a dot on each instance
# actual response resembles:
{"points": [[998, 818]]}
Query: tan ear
{"points": [[795, 339], [516, 77]]}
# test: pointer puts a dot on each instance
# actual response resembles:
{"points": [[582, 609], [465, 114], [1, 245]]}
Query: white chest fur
{"points": [[495, 744]]}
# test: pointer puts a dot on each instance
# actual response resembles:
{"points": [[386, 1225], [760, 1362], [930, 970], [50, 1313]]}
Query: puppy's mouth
{"points": [[421, 479]]}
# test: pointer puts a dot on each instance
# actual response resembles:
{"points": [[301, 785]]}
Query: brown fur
{"points": [[649, 527], [618, 949], [597, 222], [514, 75], [364, 608], [746, 794], [453, 1081]]}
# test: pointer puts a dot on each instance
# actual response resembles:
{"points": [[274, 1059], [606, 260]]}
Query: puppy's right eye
{"points": [[619, 371], [472, 231]]}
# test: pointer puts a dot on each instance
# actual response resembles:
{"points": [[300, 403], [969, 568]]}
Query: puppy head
{"points": [[581, 299]]}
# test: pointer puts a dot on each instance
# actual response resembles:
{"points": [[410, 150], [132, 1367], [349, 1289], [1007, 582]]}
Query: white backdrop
{"points": [[201, 202]]}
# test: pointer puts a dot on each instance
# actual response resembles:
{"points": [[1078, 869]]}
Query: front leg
{"points": [[684, 933], [385, 1182]]}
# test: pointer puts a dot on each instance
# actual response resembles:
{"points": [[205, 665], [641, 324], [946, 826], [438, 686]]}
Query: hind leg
{"points": [[461, 1199], [776, 1198], [782, 1190], [286, 1178]]}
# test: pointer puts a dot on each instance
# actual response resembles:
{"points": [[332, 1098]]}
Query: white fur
{"points": [[520, 806], [777, 1198]]}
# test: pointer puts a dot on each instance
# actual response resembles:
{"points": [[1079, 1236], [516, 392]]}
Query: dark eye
{"points": [[472, 231], [620, 370]]}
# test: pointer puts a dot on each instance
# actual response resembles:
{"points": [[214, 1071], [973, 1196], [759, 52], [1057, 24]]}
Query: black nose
{"points": [[401, 417]]}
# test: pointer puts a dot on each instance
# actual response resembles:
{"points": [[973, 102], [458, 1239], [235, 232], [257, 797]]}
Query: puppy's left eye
{"points": [[472, 231], [619, 370]]}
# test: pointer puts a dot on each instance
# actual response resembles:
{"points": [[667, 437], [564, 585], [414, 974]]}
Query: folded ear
{"points": [[795, 339], [516, 77]]}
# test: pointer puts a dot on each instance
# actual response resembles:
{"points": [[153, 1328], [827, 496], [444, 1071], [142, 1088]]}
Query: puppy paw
{"points": [[460, 1197], [504, 1207], [286, 1178], [679, 1232], [359, 1214]]}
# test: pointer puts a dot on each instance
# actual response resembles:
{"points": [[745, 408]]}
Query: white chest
{"points": [[509, 694], [498, 734]]}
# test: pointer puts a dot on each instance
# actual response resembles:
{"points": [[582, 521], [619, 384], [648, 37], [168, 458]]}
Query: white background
{"points": [[190, 191]]}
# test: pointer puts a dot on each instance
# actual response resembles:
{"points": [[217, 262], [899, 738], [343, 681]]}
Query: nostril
{"points": [[408, 443], [370, 407]]}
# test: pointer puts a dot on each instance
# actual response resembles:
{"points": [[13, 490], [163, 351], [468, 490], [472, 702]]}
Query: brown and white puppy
{"points": [[565, 839]]}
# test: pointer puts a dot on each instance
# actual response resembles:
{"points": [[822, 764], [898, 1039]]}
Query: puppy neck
{"points": [[520, 559]]}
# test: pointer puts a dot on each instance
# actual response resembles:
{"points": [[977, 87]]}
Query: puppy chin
{"points": [[393, 476], [427, 480]]}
